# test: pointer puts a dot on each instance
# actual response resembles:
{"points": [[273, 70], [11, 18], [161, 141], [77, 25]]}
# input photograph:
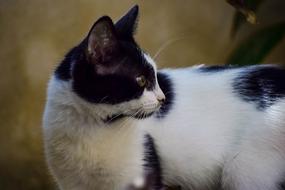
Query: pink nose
{"points": [[161, 101], [161, 98]]}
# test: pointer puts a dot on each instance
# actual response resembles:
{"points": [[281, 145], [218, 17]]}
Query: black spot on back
{"points": [[262, 85], [166, 86]]}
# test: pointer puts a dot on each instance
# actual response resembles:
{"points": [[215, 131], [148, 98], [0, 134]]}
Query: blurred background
{"points": [[35, 35]]}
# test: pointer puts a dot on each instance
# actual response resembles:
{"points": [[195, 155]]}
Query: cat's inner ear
{"points": [[102, 40], [126, 26]]}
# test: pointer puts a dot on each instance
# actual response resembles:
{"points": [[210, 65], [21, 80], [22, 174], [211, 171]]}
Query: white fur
{"points": [[207, 130]]}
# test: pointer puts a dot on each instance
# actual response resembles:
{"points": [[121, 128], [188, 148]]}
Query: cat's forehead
{"points": [[138, 59]]}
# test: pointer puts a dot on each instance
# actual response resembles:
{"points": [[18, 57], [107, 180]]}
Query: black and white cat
{"points": [[111, 118]]}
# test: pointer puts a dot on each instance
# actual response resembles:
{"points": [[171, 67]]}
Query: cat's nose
{"points": [[161, 100], [159, 96]]}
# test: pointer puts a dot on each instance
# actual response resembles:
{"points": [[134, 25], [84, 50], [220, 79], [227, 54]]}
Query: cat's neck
{"points": [[102, 114]]}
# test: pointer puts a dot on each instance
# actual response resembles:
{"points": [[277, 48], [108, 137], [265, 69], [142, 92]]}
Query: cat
{"points": [[111, 118], [95, 98]]}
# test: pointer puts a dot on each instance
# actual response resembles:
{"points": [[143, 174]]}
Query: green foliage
{"points": [[255, 48], [258, 45]]}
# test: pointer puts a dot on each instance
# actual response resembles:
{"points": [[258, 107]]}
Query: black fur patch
{"points": [[152, 164], [262, 85], [111, 88], [166, 86], [63, 70], [282, 186], [116, 87]]}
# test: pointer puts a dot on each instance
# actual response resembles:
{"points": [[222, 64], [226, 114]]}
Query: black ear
{"points": [[102, 40], [126, 26]]}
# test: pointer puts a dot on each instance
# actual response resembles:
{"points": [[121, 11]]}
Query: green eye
{"points": [[141, 81]]}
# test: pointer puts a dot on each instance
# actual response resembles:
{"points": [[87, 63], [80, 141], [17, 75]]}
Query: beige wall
{"points": [[35, 34]]}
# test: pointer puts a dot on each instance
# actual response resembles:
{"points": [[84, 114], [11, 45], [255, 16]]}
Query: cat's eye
{"points": [[141, 80]]}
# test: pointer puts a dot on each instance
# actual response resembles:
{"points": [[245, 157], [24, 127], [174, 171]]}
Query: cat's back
{"points": [[204, 99], [261, 86]]}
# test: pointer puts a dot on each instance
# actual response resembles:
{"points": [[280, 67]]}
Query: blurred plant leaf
{"points": [[255, 48], [245, 12]]}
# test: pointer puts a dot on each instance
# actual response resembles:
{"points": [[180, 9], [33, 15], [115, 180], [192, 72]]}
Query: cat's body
{"points": [[224, 127], [218, 127]]}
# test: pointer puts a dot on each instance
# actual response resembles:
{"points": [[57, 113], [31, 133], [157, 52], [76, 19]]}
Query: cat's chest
{"points": [[112, 148], [110, 144], [113, 153]]}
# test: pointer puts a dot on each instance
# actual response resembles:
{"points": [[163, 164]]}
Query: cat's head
{"points": [[110, 70]]}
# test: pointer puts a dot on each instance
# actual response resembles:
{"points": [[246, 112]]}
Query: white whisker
{"points": [[165, 45]]}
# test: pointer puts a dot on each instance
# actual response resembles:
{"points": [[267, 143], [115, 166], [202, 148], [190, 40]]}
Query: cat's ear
{"points": [[126, 26], [102, 40]]}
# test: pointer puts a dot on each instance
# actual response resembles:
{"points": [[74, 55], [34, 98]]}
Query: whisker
{"points": [[127, 119], [114, 117], [166, 44]]}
